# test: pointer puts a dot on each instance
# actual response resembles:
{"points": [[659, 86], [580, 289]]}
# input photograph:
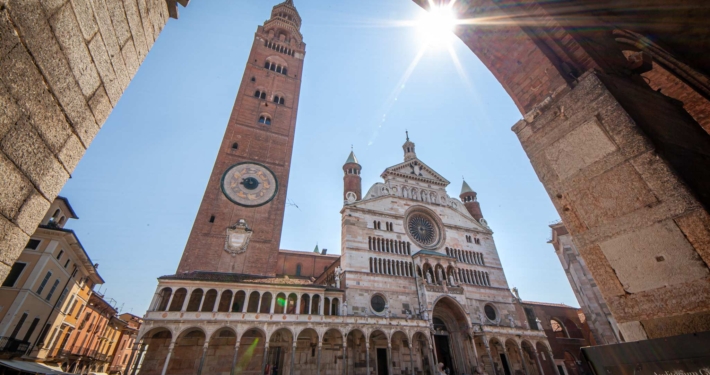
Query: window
{"points": [[235, 146], [66, 264], [266, 120], [59, 256], [558, 328], [33, 244], [281, 100], [490, 313], [477, 241], [212, 219], [44, 282], [378, 303], [276, 99], [298, 269], [18, 326], [51, 291], [14, 274], [257, 94], [283, 71]]}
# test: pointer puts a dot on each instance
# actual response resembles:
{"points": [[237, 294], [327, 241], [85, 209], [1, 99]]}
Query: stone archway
{"points": [[154, 349], [280, 353], [187, 352], [357, 353], [451, 341], [251, 352], [220, 352]]}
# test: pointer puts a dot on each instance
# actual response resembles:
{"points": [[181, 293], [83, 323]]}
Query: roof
{"points": [[224, 277], [308, 253], [73, 234], [32, 367], [465, 188], [352, 158], [431, 252], [549, 304], [69, 207]]}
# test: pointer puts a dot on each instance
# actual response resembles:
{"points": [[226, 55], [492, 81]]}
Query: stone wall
{"points": [[64, 64]]}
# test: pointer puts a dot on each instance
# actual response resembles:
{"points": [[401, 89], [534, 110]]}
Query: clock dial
{"points": [[249, 184]]}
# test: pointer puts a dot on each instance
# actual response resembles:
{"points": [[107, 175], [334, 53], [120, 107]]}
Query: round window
{"points": [[378, 303], [490, 313], [423, 230]]}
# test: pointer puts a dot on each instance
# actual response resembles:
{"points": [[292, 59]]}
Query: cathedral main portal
{"points": [[451, 337]]}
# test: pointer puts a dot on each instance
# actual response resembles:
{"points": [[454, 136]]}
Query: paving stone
{"points": [[68, 34]]}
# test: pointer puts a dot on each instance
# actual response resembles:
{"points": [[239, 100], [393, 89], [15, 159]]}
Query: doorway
{"points": [[443, 353], [382, 368], [274, 361], [504, 361]]}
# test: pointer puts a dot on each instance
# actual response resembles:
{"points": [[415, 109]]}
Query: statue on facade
{"points": [[516, 293], [481, 317], [538, 323], [338, 271], [451, 280], [428, 278], [512, 321], [440, 276]]}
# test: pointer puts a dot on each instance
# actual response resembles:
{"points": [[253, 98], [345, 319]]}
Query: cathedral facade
{"points": [[418, 286]]}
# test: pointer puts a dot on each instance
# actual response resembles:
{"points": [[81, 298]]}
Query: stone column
{"points": [[202, 300], [298, 304], [320, 346], [522, 359], [367, 357], [266, 357], [167, 359], [141, 351], [490, 356], [432, 366], [389, 357], [258, 304], [231, 301], [322, 304], [246, 302], [537, 359], [170, 301], [273, 304], [204, 354], [411, 357], [552, 359], [136, 347], [293, 356], [345, 355], [234, 359]]}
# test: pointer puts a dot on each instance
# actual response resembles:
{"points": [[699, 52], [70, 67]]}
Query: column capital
{"points": [[206, 345]]}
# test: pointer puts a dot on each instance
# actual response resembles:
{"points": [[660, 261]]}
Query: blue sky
{"points": [[139, 186]]}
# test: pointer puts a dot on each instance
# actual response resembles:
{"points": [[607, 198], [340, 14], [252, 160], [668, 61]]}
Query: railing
{"points": [[10, 345]]}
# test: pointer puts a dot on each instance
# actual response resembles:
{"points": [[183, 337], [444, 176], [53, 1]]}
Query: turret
{"points": [[352, 182], [408, 148], [468, 197]]}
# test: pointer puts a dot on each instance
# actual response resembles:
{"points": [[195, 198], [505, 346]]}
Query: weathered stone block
{"points": [[33, 209], [25, 148], [136, 25], [39, 39], [119, 21], [4, 271], [578, 149], [653, 257], [68, 34], [85, 17], [696, 228], [51, 6], [26, 85], [10, 111], [71, 153], [108, 34], [131, 58], [147, 24], [12, 241], [100, 105], [103, 63], [14, 188], [8, 37]]}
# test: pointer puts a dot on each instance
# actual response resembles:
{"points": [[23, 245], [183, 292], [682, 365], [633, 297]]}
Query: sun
{"points": [[436, 26]]}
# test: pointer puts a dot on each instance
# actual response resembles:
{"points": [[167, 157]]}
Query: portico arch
{"points": [[251, 352], [187, 352], [452, 345], [220, 351], [153, 350], [279, 356]]}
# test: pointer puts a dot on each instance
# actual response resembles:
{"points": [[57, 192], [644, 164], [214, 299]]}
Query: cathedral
{"points": [[418, 287]]}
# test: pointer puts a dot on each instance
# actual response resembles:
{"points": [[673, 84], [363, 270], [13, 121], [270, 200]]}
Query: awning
{"points": [[32, 367]]}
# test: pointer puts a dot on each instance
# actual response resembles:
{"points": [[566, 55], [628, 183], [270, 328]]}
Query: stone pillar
{"points": [[170, 301], [298, 304], [293, 357], [258, 304], [231, 301], [321, 304], [246, 301], [167, 359], [537, 360], [432, 366], [490, 356], [129, 364], [552, 360], [389, 357], [320, 346], [266, 357], [367, 357], [345, 355], [522, 359], [273, 304], [234, 359], [411, 357], [202, 300], [204, 354]]}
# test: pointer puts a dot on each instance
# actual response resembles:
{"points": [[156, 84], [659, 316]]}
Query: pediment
{"points": [[417, 170]]}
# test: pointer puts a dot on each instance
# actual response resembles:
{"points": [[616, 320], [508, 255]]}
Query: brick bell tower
{"points": [[468, 197], [352, 182], [238, 226]]}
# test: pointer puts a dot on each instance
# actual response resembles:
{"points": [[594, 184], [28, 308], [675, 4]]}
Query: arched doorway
{"points": [[155, 344], [279, 355], [452, 344]]}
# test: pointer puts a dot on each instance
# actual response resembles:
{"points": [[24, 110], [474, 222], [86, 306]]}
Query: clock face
{"points": [[249, 184]]}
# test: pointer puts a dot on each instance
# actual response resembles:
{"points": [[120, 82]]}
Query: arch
{"points": [[333, 343], [239, 299], [451, 325], [251, 351], [315, 305], [356, 349], [305, 304], [424, 357], [253, 303], [157, 341], [178, 300], [529, 357], [193, 304], [326, 306], [547, 361], [306, 346], [224, 300], [188, 351], [209, 301], [164, 298], [265, 304], [558, 328], [291, 302], [280, 306], [335, 306]]}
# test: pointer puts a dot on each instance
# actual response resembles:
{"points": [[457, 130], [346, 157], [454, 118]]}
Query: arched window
{"points": [[178, 300], [283, 71], [253, 305], [558, 329], [238, 304], [266, 120], [267, 64], [224, 301], [164, 298], [281, 100], [278, 69], [272, 67], [210, 299], [263, 95], [298, 269], [257, 94], [265, 303], [279, 308], [276, 99], [195, 299]]}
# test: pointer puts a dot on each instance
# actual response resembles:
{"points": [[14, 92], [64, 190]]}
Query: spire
{"points": [[316, 249], [408, 148], [465, 188], [351, 158]]}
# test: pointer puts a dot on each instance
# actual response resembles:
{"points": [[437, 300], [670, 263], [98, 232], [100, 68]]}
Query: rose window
{"points": [[422, 230]]}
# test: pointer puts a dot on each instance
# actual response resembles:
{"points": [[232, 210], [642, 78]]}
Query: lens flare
{"points": [[436, 26]]}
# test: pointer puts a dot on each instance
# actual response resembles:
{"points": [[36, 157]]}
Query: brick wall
{"points": [[64, 64]]}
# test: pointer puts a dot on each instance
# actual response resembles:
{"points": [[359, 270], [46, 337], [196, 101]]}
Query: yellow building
{"points": [[46, 290]]}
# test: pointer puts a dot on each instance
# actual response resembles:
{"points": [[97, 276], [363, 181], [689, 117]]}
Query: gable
{"points": [[417, 170]]}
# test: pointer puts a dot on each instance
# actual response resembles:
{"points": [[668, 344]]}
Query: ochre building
{"points": [[418, 283]]}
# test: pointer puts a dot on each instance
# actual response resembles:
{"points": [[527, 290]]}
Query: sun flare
{"points": [[436, 26]]}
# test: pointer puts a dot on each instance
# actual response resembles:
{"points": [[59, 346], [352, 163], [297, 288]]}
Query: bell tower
{"points": [[238, 225], [352, 182]]}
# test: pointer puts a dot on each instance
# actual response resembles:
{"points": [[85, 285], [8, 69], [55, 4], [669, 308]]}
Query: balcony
{"points": [[13, 346]]}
